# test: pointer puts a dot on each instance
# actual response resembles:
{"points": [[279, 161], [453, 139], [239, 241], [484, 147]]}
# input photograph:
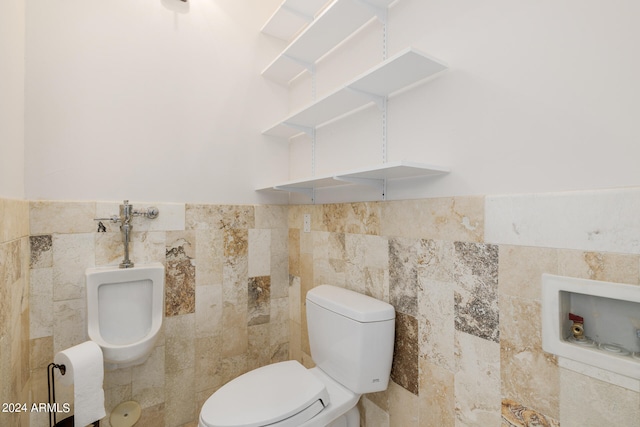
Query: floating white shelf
{"points": [[337, 22], [402, 70], [291, 16], [374, 176]]}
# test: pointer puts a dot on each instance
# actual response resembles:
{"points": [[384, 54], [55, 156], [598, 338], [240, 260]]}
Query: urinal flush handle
{"points": [[112, 218]]}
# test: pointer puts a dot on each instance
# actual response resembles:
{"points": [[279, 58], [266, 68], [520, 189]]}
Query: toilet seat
{"points": [[283, 394]]}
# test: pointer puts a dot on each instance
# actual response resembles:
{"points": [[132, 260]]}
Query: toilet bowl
{"points": [[125, 308], [351, 337]]}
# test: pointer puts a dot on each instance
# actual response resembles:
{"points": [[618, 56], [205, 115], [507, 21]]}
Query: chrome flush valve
{"points": [[127, 212]]}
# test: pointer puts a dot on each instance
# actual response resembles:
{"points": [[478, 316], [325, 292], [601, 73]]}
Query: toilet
{"points": [[125, 308], [351, 337]]}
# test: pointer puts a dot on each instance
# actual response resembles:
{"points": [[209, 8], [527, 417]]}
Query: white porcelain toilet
{"points": [[351, 337], [125, 308]]}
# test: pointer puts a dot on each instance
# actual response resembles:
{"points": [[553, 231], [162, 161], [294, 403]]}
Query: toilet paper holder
{"points": [[51, 394]]}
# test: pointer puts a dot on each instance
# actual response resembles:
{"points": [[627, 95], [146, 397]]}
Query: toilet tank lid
{"points": [[353, 305]]}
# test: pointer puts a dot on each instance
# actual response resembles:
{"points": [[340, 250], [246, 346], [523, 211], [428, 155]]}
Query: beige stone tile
{"points": [[235, 279], [306, 276], [147, 247], [271, 216], [452, 219], [294, 299], [521, 268], [46, 217], [308, 241], [529, 375], [369, 251], [208, 314], [41, 303], [179, 343], [436, 323], [294, 216], [259, 300], [236, 243], [39, 386], [258, 349], [41, 352], [117, 377], [209, 257], [360, 218], [72, 255], [477, 381], [294, 251], [608, 267], [329, 272], [437, 395], [223, 217], [233, 367], [587, 402], [404, 256], [234, 330], [371, 415], [279, 263], [295, 345], [279, 320], [152, 417], [148, 380], [180, 401], [15, 219], [404, 407], [259, 252], [69, 323], [208, 366], [109, 249]]}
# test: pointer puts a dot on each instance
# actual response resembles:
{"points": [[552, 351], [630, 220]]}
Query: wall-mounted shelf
{"points": [[375, 176], [290, 17], [337, 22], [402, 70]]}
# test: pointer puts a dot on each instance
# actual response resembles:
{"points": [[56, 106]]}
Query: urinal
{"points": [[125, 307]]}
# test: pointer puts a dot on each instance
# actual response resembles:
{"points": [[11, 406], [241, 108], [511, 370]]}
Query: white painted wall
{"points": [[12, 50], [150, 100], [141, 100], [540, 96]]}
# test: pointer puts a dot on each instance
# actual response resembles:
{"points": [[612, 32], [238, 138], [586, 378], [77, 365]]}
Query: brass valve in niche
{"points": [[577, 329]]}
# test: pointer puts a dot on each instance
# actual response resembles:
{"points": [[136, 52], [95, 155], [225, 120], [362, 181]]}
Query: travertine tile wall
{"points": [[468, 347], [226, 298], [463, 274], [14, 311]]}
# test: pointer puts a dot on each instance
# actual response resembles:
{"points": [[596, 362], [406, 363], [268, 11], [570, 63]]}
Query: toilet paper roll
{"points": [[85, 370]]}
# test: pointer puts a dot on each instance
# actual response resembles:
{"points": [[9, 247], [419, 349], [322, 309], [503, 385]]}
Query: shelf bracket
{"points": [[296, 12], [379, 12], [379, 183], [307, 65], [370, 182], [379, 100], [306, 129], [301, 190]]}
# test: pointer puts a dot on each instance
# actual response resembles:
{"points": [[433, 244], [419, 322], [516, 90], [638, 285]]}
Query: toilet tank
{"points": [[351, 337]]}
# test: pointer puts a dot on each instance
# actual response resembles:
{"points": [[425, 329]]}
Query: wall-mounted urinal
{"points": [[125, 308]]}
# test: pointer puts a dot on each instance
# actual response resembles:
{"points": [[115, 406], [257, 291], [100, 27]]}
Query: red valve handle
{"points": [[576, 318]]}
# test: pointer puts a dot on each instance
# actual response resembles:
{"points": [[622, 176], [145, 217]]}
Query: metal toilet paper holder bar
{"points": [[51, 394]]}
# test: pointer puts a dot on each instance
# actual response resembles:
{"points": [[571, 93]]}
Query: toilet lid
{"points": [[267, 395]]}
